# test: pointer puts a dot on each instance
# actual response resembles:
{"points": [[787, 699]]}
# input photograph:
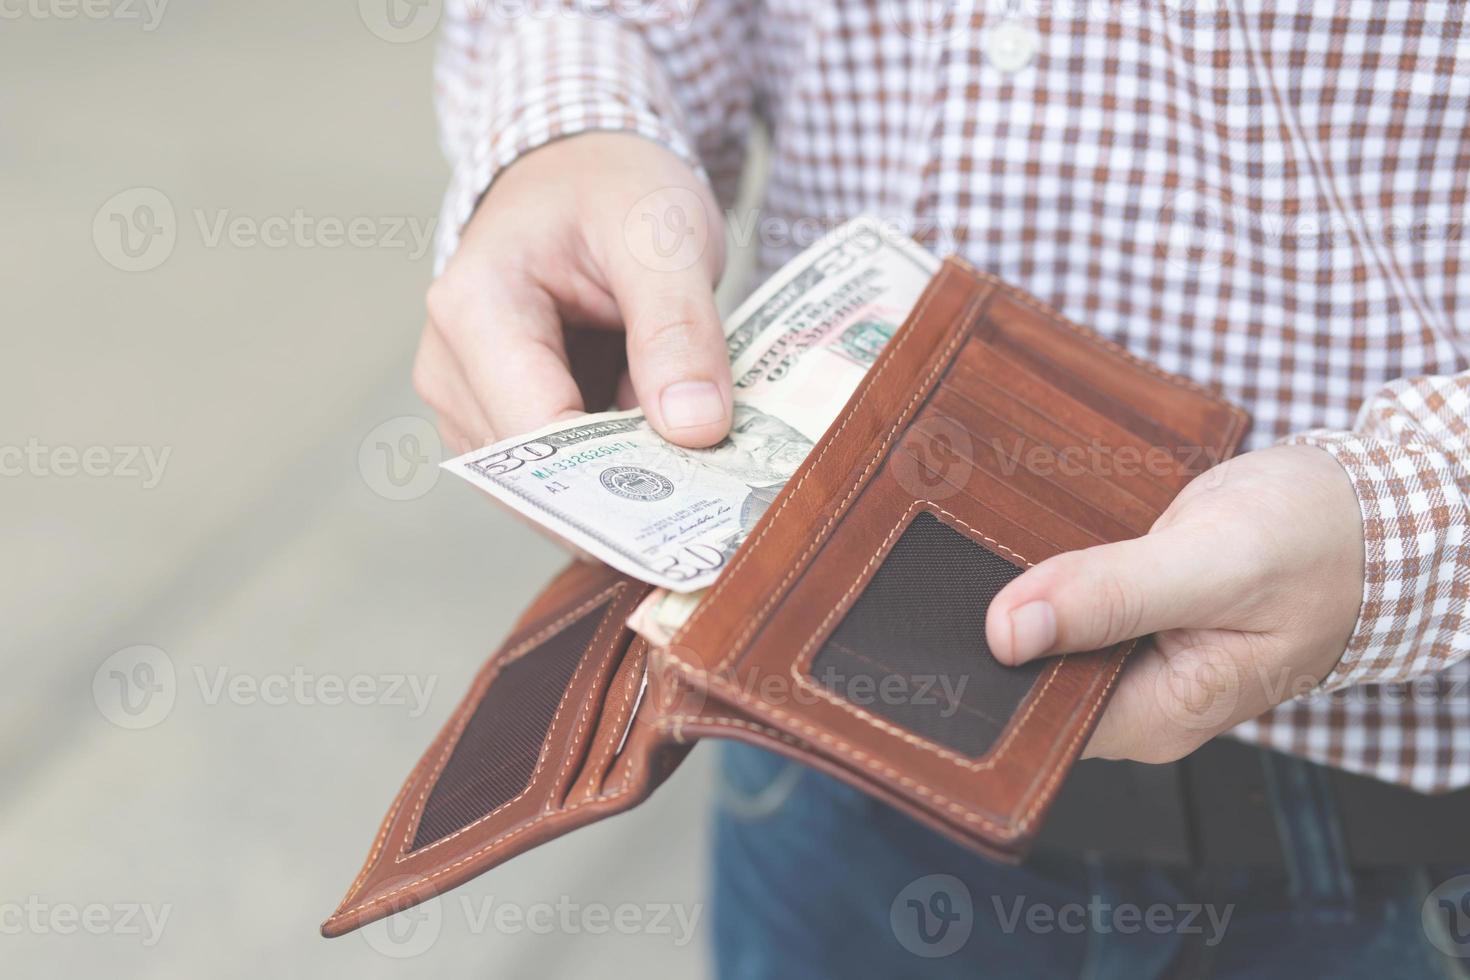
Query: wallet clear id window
{"points": [[911, 649]]}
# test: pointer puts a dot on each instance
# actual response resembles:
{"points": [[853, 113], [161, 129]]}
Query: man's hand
{"points": [[1250, 581], [601, 230]]}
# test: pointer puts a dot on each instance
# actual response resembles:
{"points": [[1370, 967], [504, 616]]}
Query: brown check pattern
{"points": [[1270, 198]]}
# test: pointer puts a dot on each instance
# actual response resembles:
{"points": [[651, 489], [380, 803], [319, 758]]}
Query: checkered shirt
{"points": [[1269, 198]]}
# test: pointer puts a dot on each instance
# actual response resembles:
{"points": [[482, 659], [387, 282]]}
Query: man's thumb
{"points": [[677, 358], [1093, 598]]}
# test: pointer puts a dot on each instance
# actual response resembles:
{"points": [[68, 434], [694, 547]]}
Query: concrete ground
{"points": [[205, 419]]}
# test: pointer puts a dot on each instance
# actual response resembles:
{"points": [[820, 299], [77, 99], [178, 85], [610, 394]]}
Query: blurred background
{"points": [[240, 597]]}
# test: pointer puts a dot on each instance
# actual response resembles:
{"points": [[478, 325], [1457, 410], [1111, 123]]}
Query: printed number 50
{"points": [[691, 560], [498, 464]]}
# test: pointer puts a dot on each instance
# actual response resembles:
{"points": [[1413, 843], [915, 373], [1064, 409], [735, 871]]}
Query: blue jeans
{"points": [[815, 879]]}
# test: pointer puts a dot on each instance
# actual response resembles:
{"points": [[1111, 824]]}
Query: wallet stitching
{"points": [[991, 758], [832, 641], [585, 712], [740, 641], [1012, 363], [605, 752], [382, 836], [663, 700], [1041, 412], [629, 778], [1045, 443], [999, 477], [873, 764], [490, 672], [489, 845], [855, 755], [722, 721], [441, 872], [610, 596], [1139, 442], [608, 750], [852, 754]]}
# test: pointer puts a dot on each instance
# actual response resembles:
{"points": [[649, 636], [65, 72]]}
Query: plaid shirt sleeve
{"points": [[509, 82], [1409, 459]]}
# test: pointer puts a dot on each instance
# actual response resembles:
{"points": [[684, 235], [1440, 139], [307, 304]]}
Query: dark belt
{"points": [[1233, 804]]}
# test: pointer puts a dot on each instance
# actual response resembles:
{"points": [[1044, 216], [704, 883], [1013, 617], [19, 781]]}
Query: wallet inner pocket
{"points": [[1008, 454], [1127, 396], [495, 756], [1054, 417], [974, 491], [911, 649], [614, 725]]}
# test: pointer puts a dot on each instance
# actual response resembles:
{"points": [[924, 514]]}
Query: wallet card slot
{"points": [[1150, 472], [1038, 468], [1102, 374], [1171, 458], [1008, 532], [1033, 379], [980, 488], [616, 720]]}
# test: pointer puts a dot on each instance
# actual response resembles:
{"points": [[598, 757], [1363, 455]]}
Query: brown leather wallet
{"points": [[848, 631]]}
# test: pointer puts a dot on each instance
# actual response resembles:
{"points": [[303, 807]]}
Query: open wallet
{"points": [[990, 434]]}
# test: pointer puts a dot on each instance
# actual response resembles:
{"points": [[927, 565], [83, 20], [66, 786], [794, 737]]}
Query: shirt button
{"points": [[1010, 45]]}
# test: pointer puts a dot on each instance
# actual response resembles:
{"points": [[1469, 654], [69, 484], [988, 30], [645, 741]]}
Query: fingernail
{"points": [[686, 404], [1033, 630]]}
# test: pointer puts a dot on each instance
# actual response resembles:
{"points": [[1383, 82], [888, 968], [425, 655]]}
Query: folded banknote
{"points": [[608, 484]]}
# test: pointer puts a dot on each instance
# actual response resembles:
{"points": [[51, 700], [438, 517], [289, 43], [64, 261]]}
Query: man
{"points": [[1267, 198]]}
